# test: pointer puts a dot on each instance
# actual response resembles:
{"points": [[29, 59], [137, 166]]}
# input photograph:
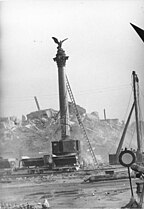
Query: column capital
{"points": [[60, 58]]}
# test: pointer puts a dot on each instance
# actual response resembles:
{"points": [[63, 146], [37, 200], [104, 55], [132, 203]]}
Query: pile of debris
{"points": [[32, 135], [44, 205]]}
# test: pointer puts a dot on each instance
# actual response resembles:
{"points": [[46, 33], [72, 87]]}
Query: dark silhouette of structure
{"points": [[139, 31]]}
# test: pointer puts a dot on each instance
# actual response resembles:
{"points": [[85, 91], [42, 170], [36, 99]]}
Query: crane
{"points": [[114, 158], [81, 123]]}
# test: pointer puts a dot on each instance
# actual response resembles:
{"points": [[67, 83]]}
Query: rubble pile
{"points": [[22, 206], [16, 206], [32, 135]]}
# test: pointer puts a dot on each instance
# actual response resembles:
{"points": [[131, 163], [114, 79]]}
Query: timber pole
{"points": [[139, 145]]}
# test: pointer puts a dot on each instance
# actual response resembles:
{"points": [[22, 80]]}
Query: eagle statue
{"points": [[59, 42]]}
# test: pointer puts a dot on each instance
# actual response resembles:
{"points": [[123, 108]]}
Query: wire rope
{"points": [[132, 136], [123, 120]]}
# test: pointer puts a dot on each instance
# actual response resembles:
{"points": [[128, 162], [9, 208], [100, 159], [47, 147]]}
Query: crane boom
{"points": [[124, 132], [80, 122]]}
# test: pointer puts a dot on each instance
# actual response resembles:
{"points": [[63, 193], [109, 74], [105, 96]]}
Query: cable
{"points": [[132, 136], [123, 120], [127, 106], [80, 92]]}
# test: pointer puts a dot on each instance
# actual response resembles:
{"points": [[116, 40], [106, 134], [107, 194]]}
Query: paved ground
{"points": [[66, 192]]}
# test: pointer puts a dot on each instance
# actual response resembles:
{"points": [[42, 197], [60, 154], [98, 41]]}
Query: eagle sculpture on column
{"points": [[59, 42]]}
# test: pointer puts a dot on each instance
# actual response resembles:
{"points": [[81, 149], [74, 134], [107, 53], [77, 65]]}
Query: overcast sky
{"points": [[102, 46]]}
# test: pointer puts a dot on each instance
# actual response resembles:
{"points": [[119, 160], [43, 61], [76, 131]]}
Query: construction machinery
{"points": [[5, 167], [114, 158], [65, 151], [36, 165]]}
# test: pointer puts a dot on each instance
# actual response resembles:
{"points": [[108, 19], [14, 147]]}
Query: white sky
{"points": [[103, 51]]}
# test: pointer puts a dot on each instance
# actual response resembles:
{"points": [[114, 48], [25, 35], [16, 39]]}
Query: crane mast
{"points": [[139, 142], [114, 158]]}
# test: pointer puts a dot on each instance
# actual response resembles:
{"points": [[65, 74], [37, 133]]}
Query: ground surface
{"points": [[66, 191]]}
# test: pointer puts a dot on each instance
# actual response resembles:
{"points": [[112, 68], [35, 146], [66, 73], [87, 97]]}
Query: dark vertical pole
{"points": [[104, 114], [130, 182], [37, 104], [135, 79], [64, 111]]}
